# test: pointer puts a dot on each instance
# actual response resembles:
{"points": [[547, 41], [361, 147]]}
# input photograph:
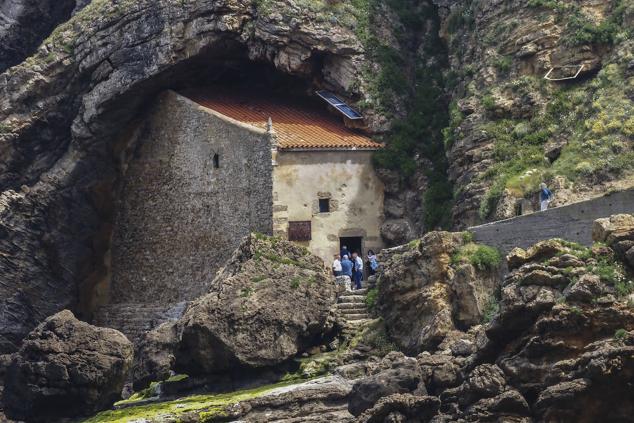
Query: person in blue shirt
{"points": [[545, 196], [346, 271]]}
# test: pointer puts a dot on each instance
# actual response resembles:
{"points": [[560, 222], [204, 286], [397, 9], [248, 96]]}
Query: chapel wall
{"points": [[347, 178], [179, 216]]}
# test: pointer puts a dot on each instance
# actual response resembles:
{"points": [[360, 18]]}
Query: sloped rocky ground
{"points": [[555, 340]]}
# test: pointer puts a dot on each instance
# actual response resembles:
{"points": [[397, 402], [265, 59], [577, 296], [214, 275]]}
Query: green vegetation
{"points": [[593, 117], [482, 257], [419, 86], [503, 63], [620, 334], [205, 406], [491, 309], [372, 298], [295, 282]]}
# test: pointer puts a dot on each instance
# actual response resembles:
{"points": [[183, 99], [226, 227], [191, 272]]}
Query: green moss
{"points": [[177, 378], [205, 405]]}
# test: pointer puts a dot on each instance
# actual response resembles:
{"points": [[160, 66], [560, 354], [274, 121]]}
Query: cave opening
{"points": [[131, 185]]}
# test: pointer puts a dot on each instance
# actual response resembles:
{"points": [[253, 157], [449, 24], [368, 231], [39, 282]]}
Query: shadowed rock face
{"points": [[25, 23], [62, 112], [66, 368], [271, 301]]}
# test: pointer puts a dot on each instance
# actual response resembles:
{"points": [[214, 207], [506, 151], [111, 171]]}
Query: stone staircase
{"points": [[134, 320], [352, 307]]}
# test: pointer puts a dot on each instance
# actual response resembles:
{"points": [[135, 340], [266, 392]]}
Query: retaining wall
{"points": [[572, 222]]}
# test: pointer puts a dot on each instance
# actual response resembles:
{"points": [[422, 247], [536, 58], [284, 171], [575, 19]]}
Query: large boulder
{"points": [[271, 301], [427, 293], [66, 368]]}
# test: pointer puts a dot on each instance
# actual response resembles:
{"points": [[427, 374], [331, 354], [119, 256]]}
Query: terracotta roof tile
{"points": [[297, 124]]}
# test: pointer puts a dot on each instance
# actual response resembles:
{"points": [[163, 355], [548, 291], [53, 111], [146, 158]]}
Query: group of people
{"points": [[348, 268]]}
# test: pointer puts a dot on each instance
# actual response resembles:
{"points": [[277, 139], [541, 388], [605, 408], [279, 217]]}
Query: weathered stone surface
{"points": [[155, 356], [423, 297], [402, 408], [25, 23], [271, 301], [66, 368], [402, 376], [64, 110]]}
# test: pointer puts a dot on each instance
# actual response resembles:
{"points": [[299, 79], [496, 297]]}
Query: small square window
{"points": [[324, 205]]}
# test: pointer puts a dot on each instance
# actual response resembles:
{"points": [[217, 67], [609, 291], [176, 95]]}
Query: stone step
{"points": [[349, 306], [346, 299], [346, 313], [361, 316]]}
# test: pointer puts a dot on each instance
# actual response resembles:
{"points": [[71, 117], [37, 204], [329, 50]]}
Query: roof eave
{"points": [[329, 148]]}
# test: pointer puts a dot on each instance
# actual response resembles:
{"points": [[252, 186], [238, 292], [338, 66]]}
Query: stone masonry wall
{"points": [[572, 222], [179, 217]]}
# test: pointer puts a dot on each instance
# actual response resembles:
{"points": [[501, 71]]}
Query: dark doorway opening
{"points": [[354, 244]]}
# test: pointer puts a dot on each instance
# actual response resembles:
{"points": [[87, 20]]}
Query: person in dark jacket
{"points": [[545, 196]]}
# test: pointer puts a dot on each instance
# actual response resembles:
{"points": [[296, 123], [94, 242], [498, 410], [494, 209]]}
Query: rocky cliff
{"points": [[66, 109]]}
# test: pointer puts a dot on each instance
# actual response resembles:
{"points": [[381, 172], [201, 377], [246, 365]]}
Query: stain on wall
{"points": [[197, 183]]}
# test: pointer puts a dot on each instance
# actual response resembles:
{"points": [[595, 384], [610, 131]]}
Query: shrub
{"points": [[485, 257], [503, 63], [491, 309], [488, 102], [482, 257], [372, 298], [620, 334]]}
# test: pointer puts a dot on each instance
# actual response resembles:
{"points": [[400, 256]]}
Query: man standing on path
{"points": [[346, 272], [357, 274], [545, 196]]}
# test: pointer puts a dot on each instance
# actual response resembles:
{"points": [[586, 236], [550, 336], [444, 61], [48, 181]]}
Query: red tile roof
{"points": [[298, 125]]}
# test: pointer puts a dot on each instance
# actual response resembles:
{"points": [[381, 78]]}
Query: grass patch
{"points": [[295, 282], [482, 257]]}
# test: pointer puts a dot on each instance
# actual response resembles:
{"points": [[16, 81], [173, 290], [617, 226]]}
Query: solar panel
{"points": [[340, 105]]}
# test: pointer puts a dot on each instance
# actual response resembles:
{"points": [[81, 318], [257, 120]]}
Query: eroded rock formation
{"points": [[426, 294], [64, 109], [66, 368], [271, 301]]}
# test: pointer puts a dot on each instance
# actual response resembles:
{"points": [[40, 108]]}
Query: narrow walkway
{"points": [[572, 222]]}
